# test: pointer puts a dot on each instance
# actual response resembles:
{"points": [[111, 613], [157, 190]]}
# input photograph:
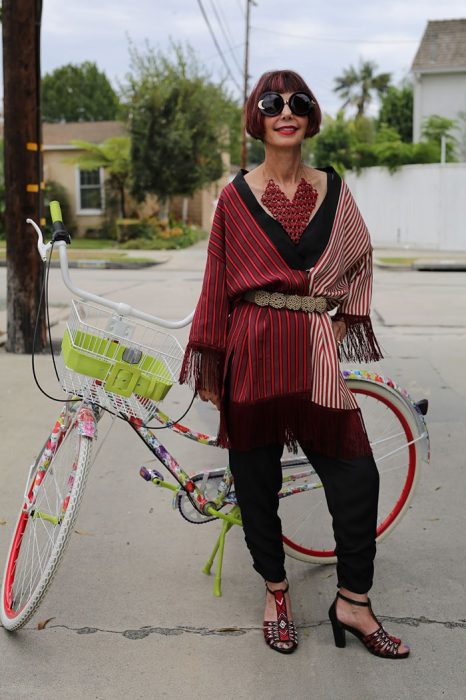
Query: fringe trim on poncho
{"points": [[360, 343], [202, 368], [293, 420]]}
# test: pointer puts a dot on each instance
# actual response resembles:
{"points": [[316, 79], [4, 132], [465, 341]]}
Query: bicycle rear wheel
{"points": [[53, 494], [392, 431]]}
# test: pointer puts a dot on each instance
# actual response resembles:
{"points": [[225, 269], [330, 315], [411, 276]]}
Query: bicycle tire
{"points": [[306, 523], [38, 544]]}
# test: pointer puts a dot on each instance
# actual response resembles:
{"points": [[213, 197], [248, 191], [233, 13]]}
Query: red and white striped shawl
{"points": [[281, 367]]}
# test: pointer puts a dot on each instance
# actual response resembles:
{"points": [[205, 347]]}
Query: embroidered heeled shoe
{"points": [[282, 630], [379, 643]]}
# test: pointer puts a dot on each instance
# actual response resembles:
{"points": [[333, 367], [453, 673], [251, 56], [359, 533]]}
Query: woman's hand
{"points": [[205, 395], [339, 331]]}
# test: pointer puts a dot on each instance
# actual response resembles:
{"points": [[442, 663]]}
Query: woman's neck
{"points": [[284, 166]]}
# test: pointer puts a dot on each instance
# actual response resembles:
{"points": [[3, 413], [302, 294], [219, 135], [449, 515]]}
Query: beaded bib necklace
{"points": [[293, 215]]}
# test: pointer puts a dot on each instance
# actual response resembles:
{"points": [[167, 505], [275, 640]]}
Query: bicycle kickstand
{"points": [[218, 551]]}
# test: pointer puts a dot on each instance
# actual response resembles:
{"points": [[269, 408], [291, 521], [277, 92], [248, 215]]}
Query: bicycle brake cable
{"points": [[168, 425], [44, 296]]}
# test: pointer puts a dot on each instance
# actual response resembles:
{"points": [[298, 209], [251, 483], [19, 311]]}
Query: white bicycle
{"points": [[115, 359]]}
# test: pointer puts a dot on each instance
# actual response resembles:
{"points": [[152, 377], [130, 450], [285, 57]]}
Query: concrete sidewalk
{"points": [[134, 617]]}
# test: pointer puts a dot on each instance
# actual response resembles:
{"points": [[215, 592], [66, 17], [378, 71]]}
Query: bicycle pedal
{"points": [[150, 474]]}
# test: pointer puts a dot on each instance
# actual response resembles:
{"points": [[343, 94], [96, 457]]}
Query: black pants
{"points": [[351, 489]]}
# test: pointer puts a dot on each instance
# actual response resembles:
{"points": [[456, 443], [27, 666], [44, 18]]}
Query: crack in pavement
{"points": [[146, 630]]}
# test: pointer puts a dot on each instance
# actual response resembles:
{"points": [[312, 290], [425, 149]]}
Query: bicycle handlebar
{"points": [[120, 308], [55, 212]]}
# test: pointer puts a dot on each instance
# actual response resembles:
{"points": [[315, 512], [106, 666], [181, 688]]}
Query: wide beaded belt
{"points": [[294, 302]]}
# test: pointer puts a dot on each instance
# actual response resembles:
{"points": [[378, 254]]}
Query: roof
{"points": [[95, 132], [443, 47]]}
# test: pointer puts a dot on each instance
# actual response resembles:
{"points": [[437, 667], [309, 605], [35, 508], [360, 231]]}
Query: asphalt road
{"points": [[132, 613]]}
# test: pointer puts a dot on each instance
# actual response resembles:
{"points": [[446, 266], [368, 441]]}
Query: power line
{"points": [[240, 8], [337, 41], [233, 48], [223, 29], [245, 81], [217, 46]]}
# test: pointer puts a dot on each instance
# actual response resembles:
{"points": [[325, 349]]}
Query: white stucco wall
{"points": [[438, 93], [419, 206]]}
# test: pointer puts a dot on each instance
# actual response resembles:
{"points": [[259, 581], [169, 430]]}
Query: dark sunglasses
{"points": [[272, 104]]}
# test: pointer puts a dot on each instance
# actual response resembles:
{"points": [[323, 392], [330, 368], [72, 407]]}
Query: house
{"points": [[86, 187], [439, 70]]}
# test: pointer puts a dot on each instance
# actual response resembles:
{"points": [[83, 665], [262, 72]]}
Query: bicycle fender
{"points": [[364, 375]]}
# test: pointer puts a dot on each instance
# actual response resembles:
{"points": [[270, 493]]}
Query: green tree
{"points": [[435, 128], [357, 85], [396, 110], [461, 128], [334, 144], [356, 143], [178, 121], [233, 117], [78, 93], [114, 155]]}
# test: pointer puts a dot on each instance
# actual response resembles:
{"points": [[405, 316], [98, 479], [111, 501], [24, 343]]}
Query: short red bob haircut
{"points": [[278, 81]]}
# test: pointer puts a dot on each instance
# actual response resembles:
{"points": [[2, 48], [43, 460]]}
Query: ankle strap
{"points": [[278, 590], [354, 602]]}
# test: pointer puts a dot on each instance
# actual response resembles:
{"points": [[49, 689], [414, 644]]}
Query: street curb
{"points": [[424, 266], [440, 266], [102, 264], [392, 266]]}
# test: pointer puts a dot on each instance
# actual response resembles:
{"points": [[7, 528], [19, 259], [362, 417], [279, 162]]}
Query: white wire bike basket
{"points": [[120, 364]]}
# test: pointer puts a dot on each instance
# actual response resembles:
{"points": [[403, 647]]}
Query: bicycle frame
{"points": [[88, 416]]}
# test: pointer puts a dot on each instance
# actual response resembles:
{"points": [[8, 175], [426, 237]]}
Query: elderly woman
{"points": [[288, 245]]}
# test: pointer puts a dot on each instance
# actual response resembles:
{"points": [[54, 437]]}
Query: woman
{"points": [[287, 246]]}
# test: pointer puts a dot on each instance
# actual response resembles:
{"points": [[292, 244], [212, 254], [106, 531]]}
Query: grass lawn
{"points": [[396, 261], [90, 253], [93, 243], [84, 244]]}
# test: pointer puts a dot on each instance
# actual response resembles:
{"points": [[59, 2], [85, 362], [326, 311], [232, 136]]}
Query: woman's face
{"points": [[286, 129]]}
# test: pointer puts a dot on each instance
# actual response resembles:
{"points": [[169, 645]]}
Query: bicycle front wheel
{"points": [[392, 431], [53, 494]]}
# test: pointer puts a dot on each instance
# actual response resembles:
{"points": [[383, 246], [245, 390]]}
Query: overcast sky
{"points": [[318, 39]]}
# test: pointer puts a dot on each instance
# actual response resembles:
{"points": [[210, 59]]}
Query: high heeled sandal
{"points": [[379, 643], [282, 630]]}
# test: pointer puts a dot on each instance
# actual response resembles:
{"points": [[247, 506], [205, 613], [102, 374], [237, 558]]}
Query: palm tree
{"points": [[356, 86], [114, 156]]}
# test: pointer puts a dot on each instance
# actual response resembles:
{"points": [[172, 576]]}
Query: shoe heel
{"points": [[339, 634]]}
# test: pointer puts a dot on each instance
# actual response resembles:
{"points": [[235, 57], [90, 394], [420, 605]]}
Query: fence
{"points": [[419, 206]]}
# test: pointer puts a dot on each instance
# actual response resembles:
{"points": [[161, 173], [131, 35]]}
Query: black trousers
{"points": [[351, 489]]}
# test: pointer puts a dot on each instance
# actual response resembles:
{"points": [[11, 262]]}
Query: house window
{"points": [[90, 191]]}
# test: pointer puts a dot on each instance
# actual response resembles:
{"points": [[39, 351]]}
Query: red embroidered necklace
{"points": [[293, 215]]}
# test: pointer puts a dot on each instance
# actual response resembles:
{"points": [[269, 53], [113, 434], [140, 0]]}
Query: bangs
{"points": [[285, 81]]}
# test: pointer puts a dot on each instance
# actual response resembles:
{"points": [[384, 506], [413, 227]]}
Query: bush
{"points": [[132, 229], [167, 235]]}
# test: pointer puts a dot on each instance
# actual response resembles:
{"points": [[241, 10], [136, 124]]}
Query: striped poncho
{"points": [[277, 370]]}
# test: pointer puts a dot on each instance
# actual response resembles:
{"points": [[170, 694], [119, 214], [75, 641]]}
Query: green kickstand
{"points": [[218, 551]]}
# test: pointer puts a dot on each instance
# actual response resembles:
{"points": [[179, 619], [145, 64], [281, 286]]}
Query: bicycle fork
{"points": [[87, 427]]}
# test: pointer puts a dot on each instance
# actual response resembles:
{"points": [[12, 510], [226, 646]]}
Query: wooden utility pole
{"points": [[23, 168], [244, 158]]}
